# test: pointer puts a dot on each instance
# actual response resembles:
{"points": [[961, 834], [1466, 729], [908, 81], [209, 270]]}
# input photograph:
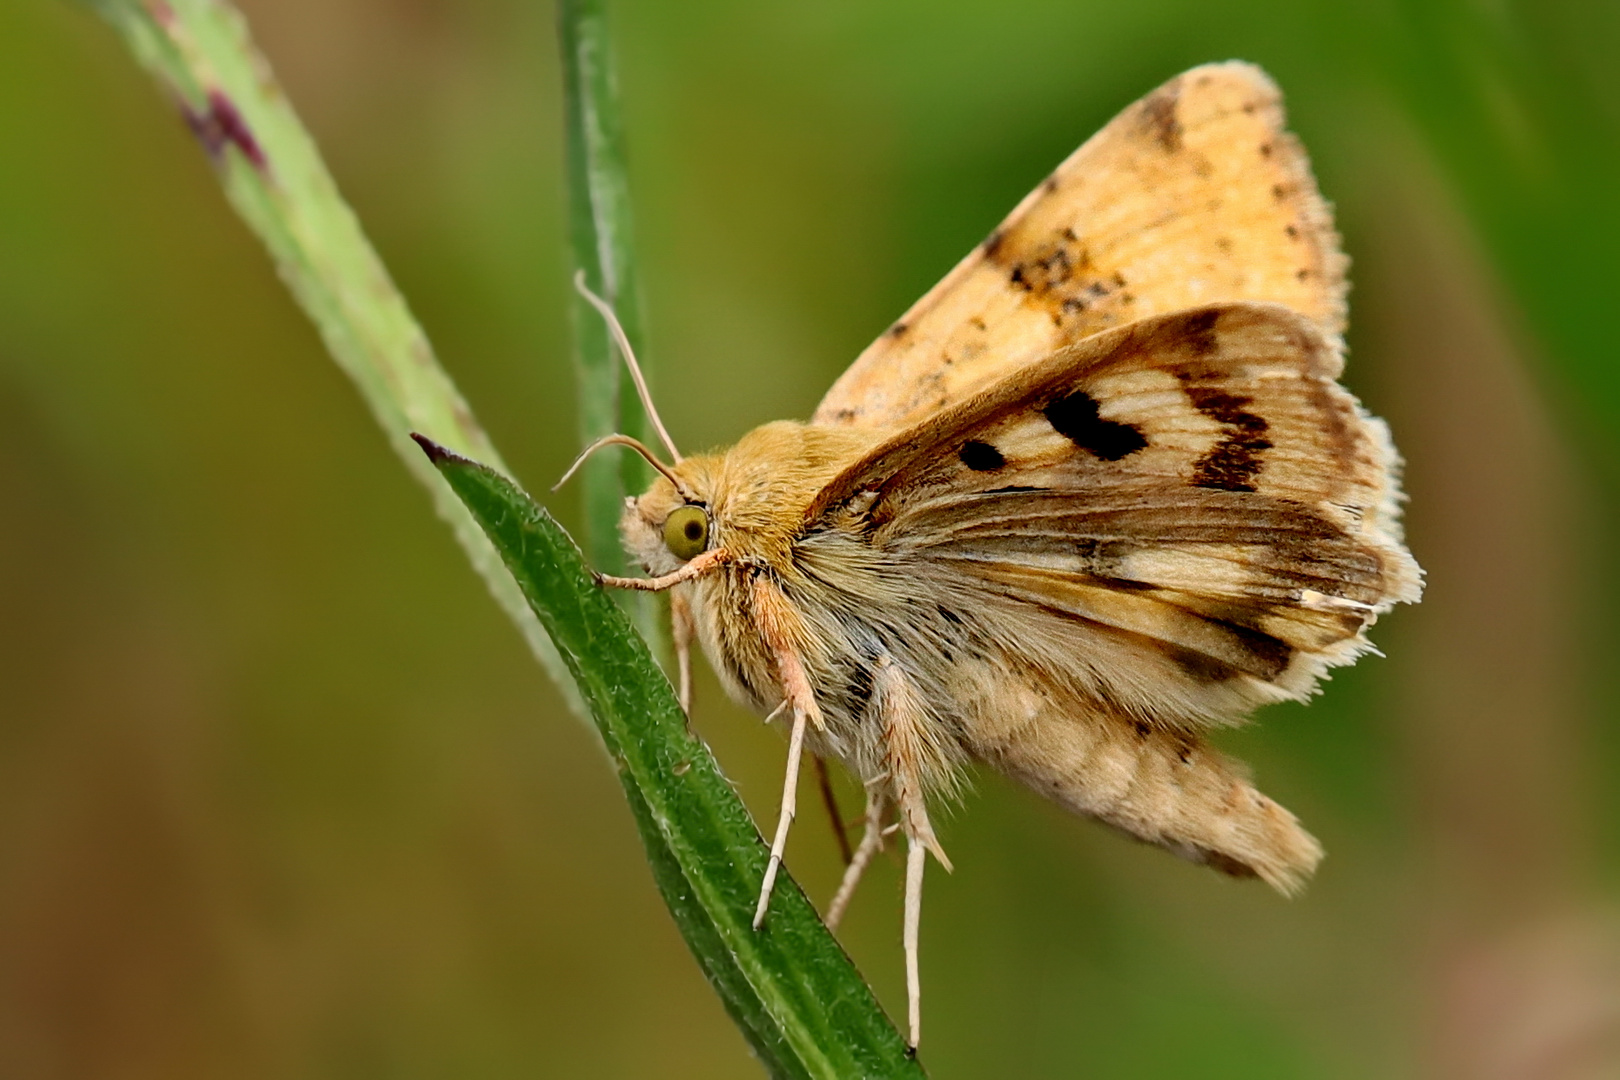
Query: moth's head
{"points": [[750, 500], [670, 525]]}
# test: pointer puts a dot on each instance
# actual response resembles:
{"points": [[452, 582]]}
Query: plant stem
{"points": [[199, 50], [600, 236]]}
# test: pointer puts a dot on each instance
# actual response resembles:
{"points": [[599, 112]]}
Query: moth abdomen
{"points": [[1164, 787]]}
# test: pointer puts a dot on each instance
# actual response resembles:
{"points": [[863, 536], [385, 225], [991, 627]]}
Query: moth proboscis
{"points": [[1096, 493]]}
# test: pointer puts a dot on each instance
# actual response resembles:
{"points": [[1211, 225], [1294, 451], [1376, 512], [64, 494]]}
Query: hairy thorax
{"points": [[849, 605]]}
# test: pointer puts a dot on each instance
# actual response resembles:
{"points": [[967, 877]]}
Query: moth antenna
{"points": [[639, 447], [617, 330]]}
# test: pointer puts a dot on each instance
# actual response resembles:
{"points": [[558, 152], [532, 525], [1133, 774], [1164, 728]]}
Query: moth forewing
{"points": [[1154, 529], [1194, 195], [1154, 372]]}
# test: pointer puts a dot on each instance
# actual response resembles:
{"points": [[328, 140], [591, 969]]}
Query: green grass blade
{"points": [[790, 987], [599, 234], [200, 52]]}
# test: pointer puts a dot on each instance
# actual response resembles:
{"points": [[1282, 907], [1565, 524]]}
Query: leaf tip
{"points": [[437, 454]]}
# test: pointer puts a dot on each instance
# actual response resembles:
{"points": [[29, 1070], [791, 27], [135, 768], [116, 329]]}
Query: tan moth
{"points": [[1095, 494]]}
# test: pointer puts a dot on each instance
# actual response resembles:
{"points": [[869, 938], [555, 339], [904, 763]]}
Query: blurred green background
{"points": [[283, 795]]}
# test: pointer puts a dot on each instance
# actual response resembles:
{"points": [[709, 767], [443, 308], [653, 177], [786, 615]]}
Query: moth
{"points": [[1096, 494]]}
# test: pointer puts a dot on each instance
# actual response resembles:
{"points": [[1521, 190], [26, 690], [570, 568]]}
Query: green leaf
{"points": [[789, 986]]}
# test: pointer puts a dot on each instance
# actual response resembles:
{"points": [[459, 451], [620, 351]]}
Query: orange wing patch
{"points": [[1194, 195]]}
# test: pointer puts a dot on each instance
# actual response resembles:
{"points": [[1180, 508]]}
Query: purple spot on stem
{"points": [[221, 126]]}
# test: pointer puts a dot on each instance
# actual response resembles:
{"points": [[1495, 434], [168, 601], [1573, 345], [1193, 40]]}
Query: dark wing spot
{"points": [[898, 330], [981, 456], [1159, 110], [1197, 666], [1075, 418], [1046, 271], [1126, 584], [1232, 463], [1198, 330], [1268, 658], [1225, 408], [992, 244]]}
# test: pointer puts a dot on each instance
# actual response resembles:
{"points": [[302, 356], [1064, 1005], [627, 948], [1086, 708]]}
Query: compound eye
{"points": [[686, 532]]}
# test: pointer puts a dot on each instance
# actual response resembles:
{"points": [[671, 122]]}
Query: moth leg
{"points": [[916, 857], [784, 818], [920, 841], [829, 799], [877, 808], [700, 565], [774, 616], [906, 737], [682, 629]]}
